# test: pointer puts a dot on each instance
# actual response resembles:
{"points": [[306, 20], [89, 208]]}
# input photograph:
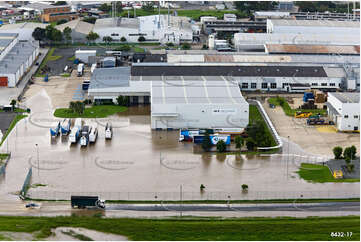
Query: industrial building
{"points": [[79, 29], [257, 41], [52, 13], [24, 30], [16, 57], [313, 26], [180, 99], [154, 28], [344, 109]]}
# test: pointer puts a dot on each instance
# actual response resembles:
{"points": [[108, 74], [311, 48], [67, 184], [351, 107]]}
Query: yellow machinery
{"points": [[337, 174], [300, 114]]}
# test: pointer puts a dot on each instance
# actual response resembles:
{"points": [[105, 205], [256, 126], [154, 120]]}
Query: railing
{"points": [[26, 185]]}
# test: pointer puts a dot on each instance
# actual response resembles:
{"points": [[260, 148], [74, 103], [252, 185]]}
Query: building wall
{"points": [[247, 83], [201, 116], [117, 33], [349, 117]]}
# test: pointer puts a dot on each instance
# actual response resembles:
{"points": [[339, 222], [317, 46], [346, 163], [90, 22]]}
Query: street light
{"points": [[37, 151], [288, 156]]}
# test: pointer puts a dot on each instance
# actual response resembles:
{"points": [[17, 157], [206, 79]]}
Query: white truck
{"points": [[80, 69]]}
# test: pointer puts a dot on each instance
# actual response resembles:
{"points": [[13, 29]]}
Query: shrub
{"points": [[221, 146], [347, 153], [204, 47], [353, 152], [337, 151], [350, 167], [186, 46], [202, 187], [206, 143], [123, 39], [244, 187], [239, 142], [141, 39], [170, 44]]}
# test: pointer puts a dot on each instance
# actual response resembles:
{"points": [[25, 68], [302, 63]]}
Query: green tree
{"points": [[120, 100], [202, 187], [92, 36], [251, 144], [353, 152], [185, 46], [204, 47], [141, 39], [107, 39], [206, 143], [123, 39], [148, 6], [249, 6], [67, 33], [105, 7], [72, 107], [13, 103], [337, 151], [239, 142], [59, 3], [221, 146], [61, 21], [39, 34], [347, 153]]}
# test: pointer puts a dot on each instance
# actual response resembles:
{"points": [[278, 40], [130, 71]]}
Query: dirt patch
{"points": [[78, 234]]}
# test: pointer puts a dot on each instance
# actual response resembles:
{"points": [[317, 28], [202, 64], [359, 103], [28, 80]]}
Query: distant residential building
{"points": [[344, 109]]}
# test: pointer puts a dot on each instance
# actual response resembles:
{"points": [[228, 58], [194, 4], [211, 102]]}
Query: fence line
{"points": [[3, 166], [201, 196], [26, 185]]}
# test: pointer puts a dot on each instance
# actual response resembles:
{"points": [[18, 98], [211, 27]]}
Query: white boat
{"points": [[108, 131], [74, 135], [93, 135]]}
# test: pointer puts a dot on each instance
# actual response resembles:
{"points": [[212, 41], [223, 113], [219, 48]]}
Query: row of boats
{"points": [[85, 133]]}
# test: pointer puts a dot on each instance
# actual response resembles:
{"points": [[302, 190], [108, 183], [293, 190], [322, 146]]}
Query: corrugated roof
{"points": [[76, 25], [42, 6], [167, 69], [18, 55], [347, 97], [130, 23], [312, 49], [315, 23]]}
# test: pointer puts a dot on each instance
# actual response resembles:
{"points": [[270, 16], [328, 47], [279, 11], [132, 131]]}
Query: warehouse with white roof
{"points": [[16, 57], [344, 109]]}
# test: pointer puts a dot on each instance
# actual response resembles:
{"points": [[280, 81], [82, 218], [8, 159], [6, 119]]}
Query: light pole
{"points": [[288, 157], [7, 142], [37, 151], [181, 198]]}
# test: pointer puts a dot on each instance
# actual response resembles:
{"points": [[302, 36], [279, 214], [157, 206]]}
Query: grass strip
{"points": [[12, 125], [319, 174], [280, 101], [99, 111], [193, 228], [254, 116]]}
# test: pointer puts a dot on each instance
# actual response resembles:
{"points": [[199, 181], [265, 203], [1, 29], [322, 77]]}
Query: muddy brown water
{"points": [[139, 160]]}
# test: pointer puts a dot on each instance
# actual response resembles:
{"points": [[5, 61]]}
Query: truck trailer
{"points": [[87, 201]]}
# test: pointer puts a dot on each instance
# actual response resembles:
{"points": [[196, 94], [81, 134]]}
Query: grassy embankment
{"points": [[288, 110], [191, 228], [49, 57], [319, 174], [100, 111], [254, 116], [12, 125]]}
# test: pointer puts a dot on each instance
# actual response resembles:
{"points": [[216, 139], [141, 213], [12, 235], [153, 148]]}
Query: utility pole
{"points": [[181, 200], [288, 156]]}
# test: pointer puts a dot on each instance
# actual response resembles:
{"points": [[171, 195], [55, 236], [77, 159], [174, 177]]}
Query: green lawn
{"points": [[291, 112], [17, 110], [12, 125], [65, 75], [49, 57], [255, 115], [71, 58], [319, 174], [137, 49], [2, 158], [192, 228], [100, 111]]}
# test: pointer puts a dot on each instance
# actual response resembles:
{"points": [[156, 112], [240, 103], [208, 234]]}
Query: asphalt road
{"points": [[332, 206]]}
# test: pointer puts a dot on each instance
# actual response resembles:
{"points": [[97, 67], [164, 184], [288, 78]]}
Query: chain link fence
{"points": [[198, 196]]}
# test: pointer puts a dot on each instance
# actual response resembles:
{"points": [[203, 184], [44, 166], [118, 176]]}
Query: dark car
{"points": [[31, 205]]}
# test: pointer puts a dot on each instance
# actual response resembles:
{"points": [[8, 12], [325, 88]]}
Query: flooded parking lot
{"points": [[142, 161]]}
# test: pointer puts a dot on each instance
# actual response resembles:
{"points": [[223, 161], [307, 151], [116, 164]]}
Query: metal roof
{"points": [[347, 97], [314, 23], [196, 90], [313, 49], [129, 23], [110, 77], [42, 6], [168, 69], [18, 55]]}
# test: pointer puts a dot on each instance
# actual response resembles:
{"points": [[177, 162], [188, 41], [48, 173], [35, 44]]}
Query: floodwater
{"points": [[139, 160]]}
